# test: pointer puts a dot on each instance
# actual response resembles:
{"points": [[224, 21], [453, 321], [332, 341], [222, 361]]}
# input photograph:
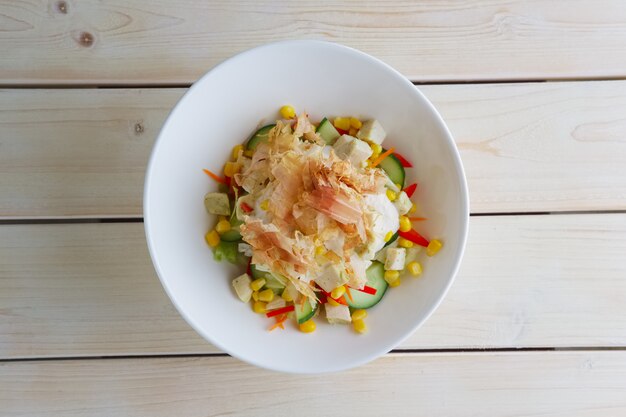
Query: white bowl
{"points": [[221, 110]]}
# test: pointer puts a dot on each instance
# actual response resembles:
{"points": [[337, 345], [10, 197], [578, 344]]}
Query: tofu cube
{"points": [[352, 149], [337, 314], [241, 284], [403, 203], [395, 259], [372, 131], [331, 277], [277, 302], [217, 203]]}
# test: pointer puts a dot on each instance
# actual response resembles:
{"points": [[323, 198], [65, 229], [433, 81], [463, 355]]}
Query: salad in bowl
{"points": [[320, 217]]}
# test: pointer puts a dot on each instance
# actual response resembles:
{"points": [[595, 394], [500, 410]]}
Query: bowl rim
{"points": [[464, 197]]}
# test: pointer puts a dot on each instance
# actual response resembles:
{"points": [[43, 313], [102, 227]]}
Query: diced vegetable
{"points": [[403, 160], [372, 131], [352, 149], [277, 303], [339, 314], [382, 157], [217, 203], [394, 169], [307, 326], [331, 277], [259, 136], [373, 291], [327, 131], [279, 311], [433, 247], [403, 203], [212, 238], [304, 311], [414, 268], [410, 190], [287, 112], [395, 259], [359, 326], [241, 284], [414, 237], [227, 251]]}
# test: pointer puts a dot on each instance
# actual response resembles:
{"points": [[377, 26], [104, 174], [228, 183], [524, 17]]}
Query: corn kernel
{"points": [[414, 268], [307, 327], [352, 131], [248, 152], [388, 236], [376, 149], [222, 226], [338, 292], [286, 296], [355, 123], [391, 276], [287, 112], [405, 224], [236, 150], [359, 326], [395, 283], [413, 208], [391, 195], [332, 302], [265, 204], [255, 295], [320, 250], [359, 314], [433, 247], [257, 284], [231, 168], [212, 238], [342, 123], [266, 295], [259, 307], [405, 243]]}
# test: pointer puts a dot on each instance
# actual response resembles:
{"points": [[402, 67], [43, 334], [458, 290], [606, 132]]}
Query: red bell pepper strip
{"points": [[414, 237], [410, 190], [403, 160], [280, 311], [341, 131], [367, 289], [246, 208]]}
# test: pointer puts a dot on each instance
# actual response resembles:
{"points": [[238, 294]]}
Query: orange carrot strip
{"points": [[215, 177], [383, 156], [417, 219], [348, 293]]}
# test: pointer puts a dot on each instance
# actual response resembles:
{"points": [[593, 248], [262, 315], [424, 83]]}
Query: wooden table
{"points": [[535, 323]]}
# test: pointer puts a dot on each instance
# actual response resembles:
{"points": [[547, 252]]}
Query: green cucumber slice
{"points": [[393, 239], [233, 235], [394, 169], [305, 311], [375, 279], [259, 136], [327, 131], [270, 280]]}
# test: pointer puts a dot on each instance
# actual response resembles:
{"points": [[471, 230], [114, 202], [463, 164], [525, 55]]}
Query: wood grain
{"points": [[546, 384], [526, 281], [526, 147], [139, 42]]}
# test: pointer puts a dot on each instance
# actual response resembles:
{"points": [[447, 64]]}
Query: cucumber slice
{"points": [[305, 311], [393, 239], [233, 235], [327, 131], [271, 281], [375, 279], [259, 136], [394, 169]]}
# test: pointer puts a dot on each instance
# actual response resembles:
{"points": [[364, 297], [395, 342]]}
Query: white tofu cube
{"points": [[241, 284], [372, 131], [352, 149], [337, 314], [331, 277], [217, 203], [277, 302], [395, 259], [359, 266], [403, 203]]}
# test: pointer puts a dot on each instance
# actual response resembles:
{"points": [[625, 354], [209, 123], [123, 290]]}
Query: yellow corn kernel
{"points": [[286, 296], [320, 250], [359, 326], [352, 131], [332, 302], [222, 226], [413, 208], [433, 247], [265, 204], [307, 327], [248, 152], [257, 284], [376, 149], [266, 295], [395, 283], [231, 168], [391, 276], [391, 195], [259, 307], [355, 123], [236, 150], [404, 243], [338, 292], [359, 314], [405, 224], [388, 236], [342, 123], [255, 295], [287, 112], [212, 238], [414, 268]]}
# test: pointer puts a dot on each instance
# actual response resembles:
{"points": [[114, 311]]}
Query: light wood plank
{"points": [[546, 384], [526, 281], [526, 147], [142, 42]]}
